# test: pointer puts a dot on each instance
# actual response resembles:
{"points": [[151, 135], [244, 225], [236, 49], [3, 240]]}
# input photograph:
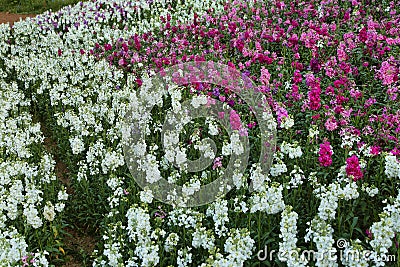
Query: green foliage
{"points": [[33, 6]]}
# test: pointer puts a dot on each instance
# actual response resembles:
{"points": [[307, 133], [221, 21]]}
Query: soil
{"points": [[11, 18], [78, 242]]}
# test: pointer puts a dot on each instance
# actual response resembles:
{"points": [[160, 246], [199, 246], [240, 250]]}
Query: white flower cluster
{"points": [[139, 232], [171, 241], [287, 247], [392, 166], [287, 122], [187, 218], [384, 231], [218, 210], [320, 228], [348, 140], [206, 149], [239, 246], [257, 177], [13, 248], [115, 183], [313, 132], [370, 190], [212, 126], [279, 167], [203, 238], [191, 187], [321, 231], [297, 177], [353, 255], [27, 176], [293, 150], [269, 199], [330, 195], [184, 257]]}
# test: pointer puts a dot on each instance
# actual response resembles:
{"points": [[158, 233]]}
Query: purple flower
{"points": [[314, 65], [215, 92]]}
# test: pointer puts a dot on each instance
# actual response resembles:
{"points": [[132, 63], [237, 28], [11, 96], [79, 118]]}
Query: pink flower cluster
{"points": [[353, 168], [388, 72], [314, 96], [325, 154]]}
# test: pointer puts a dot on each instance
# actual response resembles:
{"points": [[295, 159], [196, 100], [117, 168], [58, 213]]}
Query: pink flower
{"points": [[368, 233], [281, 112], [297, 77], [325, 154], [243, 132], [388, 73], [251, 125], [342, 55], [314, 97], [160, 213], [107, 47], [353, 168], [234, 120], [331, 124], [210, 101], [121, 62], [265, 76], [217, 163], [375, 150]]}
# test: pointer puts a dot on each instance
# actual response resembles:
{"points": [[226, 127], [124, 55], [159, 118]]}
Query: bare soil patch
{"points": [[11, 18]]}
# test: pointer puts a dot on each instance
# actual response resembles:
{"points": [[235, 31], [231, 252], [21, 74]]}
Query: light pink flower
{"points": [[234, 120]]}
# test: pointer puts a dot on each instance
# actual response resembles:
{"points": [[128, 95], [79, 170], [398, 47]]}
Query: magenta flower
{"points": [[368, 233], [281, 112], [325, 154], [353, 168], [375, 150], [107, 47]]}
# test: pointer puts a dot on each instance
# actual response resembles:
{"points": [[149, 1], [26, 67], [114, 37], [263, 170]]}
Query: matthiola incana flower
{"points": [[328, 69]]}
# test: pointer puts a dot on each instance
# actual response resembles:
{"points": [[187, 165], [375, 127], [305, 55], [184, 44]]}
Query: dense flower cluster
{"points": [[328, 70]]}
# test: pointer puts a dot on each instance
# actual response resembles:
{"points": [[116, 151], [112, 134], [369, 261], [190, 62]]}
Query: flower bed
{"points": [[328, 71]]}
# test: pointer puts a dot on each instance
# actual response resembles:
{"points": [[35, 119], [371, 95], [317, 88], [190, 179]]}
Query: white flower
{"points": [[292, 150], [32, 217], [287, 122], [197, 101], [392, 166], [218, 210], [77, 145], [237, 147], [203, 238], [146, 196], [269, 199], [190, 188], [257, 177], [171, 241], [212, 127], [49, 212]]}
